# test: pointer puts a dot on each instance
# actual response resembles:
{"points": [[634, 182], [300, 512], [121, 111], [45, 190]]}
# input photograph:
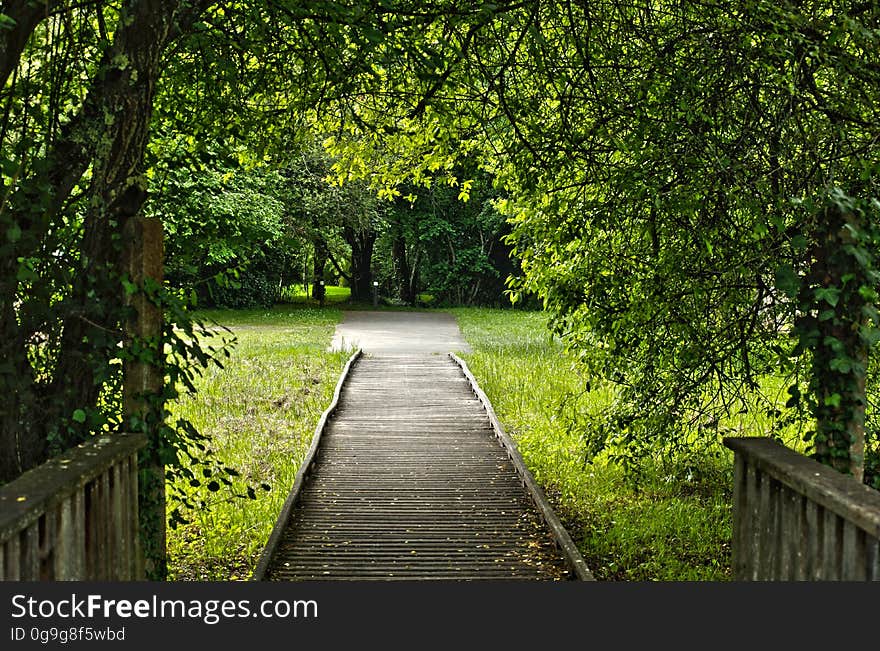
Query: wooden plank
{"points": [[105, 526], [752, 546], [49, 544], [66, 566], [741, 521], [789, 534], [30, 553], [766, 532], [117, 536], [90, 530], [814, 523], [137, 561], [800, 535], [872, 559], [12, 558], [853, 553], [832, 530]]}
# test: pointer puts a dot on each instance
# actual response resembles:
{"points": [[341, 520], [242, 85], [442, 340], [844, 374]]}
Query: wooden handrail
{"points": [[796, 519], [75, 516]]}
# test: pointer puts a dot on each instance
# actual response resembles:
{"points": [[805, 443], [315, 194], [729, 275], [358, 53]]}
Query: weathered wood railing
{"points": [[76, 516], [795, 519]]}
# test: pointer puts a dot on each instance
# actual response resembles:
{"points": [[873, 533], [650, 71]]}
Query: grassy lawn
{"points": [[297, 294], [261, 411], [665, 528]]}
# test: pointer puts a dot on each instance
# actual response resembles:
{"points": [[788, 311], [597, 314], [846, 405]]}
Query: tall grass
{"points": [[260, 411], [668, 526]]}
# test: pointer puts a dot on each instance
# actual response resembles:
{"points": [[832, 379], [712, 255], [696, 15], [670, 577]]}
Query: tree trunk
{"points": [[108, 133], [118, 191], [402, 272], [318, 266], [27, 15], [833, 324], [361, 243], [22, 446]]}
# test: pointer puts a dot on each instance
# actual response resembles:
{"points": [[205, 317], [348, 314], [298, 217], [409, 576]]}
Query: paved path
{"points": [[389, 332]]}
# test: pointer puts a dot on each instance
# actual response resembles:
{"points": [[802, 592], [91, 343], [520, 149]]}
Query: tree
{"points": [[81, 82], [678, 176], [446, 240], [326, 214], [228, 233]]}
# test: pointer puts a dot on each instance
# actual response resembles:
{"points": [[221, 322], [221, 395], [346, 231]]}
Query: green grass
{"points": [[260, 411], [297, 294], [663, 528]]}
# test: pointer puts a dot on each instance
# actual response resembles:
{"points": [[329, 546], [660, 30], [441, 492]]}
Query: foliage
{"points": [[445, 239], [73, 138], [660, 160], [660, 256], [692, 191], [227, 233]]}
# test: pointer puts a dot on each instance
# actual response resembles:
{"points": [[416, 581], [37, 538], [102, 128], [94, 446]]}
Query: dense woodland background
{"points": [[689, 189]]}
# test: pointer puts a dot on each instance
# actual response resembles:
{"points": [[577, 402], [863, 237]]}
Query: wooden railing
{"points": [[795, 519], [76, 516]]}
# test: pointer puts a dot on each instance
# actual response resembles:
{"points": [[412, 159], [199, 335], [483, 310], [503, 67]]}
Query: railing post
{"points": [[143, 385]]}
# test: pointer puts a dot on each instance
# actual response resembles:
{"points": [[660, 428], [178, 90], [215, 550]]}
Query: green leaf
{"points": [[830, 295], [79, 416], [833, 400], [787, 280], [8, 167], [868, 293], [130, 287], [13, 233]]}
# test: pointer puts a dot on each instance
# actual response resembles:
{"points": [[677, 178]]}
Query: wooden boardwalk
{"points": [[410, 477]]}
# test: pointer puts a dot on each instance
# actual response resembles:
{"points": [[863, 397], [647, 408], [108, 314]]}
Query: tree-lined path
{"points": [[408, 480]]}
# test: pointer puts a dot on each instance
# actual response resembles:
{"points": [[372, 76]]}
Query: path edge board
{"points": [[301, 475], [560, 534]]}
